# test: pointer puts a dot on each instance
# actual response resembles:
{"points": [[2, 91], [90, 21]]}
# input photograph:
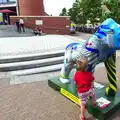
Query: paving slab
{"points": [[34, 44], [11, 31], [38, 101], [81, 35]]}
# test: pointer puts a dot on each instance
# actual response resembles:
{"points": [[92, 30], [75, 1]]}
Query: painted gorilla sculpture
{"points": [[100, 47]]}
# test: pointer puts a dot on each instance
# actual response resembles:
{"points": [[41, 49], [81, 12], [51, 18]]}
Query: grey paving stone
{"points": [[25, 45]]}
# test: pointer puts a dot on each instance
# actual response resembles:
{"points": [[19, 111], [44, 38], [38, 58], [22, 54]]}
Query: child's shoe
{"points": [[82, 118]]}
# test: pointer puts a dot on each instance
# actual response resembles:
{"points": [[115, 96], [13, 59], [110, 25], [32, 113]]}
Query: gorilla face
{"points": [[93, 42]]}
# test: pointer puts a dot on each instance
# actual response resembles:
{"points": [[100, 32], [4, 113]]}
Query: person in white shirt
{"points": [[22, 24]]}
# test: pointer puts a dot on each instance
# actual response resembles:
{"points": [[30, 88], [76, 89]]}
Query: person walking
{"points": [[22, 24], [18, 26]]}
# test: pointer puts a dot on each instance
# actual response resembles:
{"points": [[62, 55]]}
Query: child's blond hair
{"points": [[82, 64]]}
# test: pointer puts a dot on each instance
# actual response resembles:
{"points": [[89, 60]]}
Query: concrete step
{"points": [[29, 57], [36, 70], [4, 67]]}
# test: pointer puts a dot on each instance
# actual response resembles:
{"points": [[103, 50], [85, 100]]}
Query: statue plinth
{"points": [[69, 91]]}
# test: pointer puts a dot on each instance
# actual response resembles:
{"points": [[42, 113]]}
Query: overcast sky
{"points": [[54, 6]]}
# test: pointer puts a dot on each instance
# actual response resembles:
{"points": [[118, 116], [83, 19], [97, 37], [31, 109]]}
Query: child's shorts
{"points": [[84, 96]]}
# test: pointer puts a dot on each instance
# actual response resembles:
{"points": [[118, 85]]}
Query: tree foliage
{"points": [[114, 10], [63, 12], [83, 10], [96, 11], [92, 10], [74, 11]]}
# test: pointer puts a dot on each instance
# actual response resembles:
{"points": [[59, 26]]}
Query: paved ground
{"points": [[11, 31], [33, 44], [80, 35], [37, 101], [14, 43]]}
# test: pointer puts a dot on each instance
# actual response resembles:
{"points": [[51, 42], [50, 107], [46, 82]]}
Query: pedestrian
{"points": [[22, 24], [18, 26], [72, 28], [36, 31], [5, 22], [85, 88]]}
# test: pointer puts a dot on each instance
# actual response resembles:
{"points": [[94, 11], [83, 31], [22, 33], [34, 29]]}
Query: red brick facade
{"points": [[31, 7], [32, 10], [51, 24]]}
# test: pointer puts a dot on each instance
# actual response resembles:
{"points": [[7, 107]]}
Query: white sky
{"points": [[54, 7]]}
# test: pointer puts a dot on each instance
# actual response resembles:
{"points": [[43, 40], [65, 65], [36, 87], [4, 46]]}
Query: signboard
{"points": [[67, 26], [103, 102], [70, 96], [39, 22]]}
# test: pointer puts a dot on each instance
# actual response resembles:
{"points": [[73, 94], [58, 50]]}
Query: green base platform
{"points": [[69, 91]]}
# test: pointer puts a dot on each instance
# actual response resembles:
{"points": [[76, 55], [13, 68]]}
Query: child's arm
{"points": [[74, 82], [74, 78], [92, 81], [92, 84]]}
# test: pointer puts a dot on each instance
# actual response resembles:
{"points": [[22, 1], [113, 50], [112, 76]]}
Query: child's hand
{"points": [[92, 85], [74, 82]]}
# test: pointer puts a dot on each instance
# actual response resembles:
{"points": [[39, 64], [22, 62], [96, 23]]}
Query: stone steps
{"points": [[25, 64], [29, 57], [50, 68], [31, 64]]}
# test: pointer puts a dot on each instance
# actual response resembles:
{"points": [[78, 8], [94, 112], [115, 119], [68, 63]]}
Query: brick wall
{"points": [[51, 24]]}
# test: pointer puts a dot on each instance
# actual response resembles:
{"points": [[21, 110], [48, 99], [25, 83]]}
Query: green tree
{"points": [[113, 11], [73, 12], [91, 10], [64, 12], [83, 10], [96, 11]]}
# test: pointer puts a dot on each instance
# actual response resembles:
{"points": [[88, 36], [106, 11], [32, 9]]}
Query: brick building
{"points": [[31, 7], [50, 24], [32, 11]]}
